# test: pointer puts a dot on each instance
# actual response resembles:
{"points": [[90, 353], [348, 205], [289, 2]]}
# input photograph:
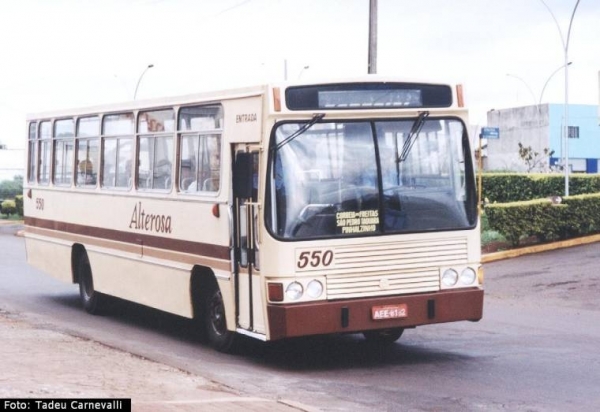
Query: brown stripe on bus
{"points": [[138, 239]]}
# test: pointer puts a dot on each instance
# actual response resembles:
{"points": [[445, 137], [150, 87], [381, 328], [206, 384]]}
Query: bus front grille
{"points": [[392, 268]]}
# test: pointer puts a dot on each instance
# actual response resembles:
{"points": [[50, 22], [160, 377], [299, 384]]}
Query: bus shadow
{"points": [[138, 316], [66, 300], [312, 353], [343, 352]]}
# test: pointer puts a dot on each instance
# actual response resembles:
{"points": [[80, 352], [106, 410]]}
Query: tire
{"points": [[91, 300], [383, 336], [215, 323]]}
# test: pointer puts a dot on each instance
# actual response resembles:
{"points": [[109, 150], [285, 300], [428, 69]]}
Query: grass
{"points": [[488, 235], [11, 217]]}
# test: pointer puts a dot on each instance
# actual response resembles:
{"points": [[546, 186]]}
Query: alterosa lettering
{"points": [[149, 222]]}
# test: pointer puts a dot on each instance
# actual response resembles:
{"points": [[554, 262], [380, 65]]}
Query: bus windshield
{"points": [[370, 177]]}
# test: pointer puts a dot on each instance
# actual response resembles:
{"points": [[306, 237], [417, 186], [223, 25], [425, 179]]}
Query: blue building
{"points": [[541, 127], [584, 136]]}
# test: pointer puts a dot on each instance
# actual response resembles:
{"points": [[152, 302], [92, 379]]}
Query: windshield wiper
{"points": [[412, 137], [317, 117]]}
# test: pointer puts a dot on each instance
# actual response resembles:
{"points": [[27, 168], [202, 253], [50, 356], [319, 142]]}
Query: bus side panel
{"points": [[50, 255], [243, 120], [143, 281]]}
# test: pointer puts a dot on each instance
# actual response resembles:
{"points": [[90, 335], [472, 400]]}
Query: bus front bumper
{"points": [[356, 315]]}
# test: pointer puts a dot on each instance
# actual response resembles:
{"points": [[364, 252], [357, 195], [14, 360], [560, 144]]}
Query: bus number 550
{"points": [[314, 258]]}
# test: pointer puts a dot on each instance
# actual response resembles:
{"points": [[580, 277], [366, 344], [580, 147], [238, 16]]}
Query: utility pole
{"points": [[372, 37]]}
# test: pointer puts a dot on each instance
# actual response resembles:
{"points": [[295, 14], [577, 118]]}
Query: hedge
{"points": [[574, 216], [514, 187]]}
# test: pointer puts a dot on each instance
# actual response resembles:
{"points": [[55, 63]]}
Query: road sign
{"points": [[490, 132]]}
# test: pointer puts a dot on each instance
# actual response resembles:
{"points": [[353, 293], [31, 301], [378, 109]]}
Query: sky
{"points": [[59, 54]]}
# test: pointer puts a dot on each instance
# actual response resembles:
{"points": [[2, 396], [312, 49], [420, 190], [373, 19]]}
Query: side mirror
{"points": [[243, 175]]}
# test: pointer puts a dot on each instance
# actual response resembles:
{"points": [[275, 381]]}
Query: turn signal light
{"points": [[275, 292]]}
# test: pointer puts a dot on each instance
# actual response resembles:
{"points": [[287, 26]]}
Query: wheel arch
{"points": [[77, 250], [201, 280]]}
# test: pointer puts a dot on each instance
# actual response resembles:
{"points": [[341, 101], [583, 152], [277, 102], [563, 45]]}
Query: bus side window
{"points": [[186, 174], [206, 177], [210, 148], [162, 174]]}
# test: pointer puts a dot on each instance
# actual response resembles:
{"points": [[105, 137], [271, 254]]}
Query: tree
{"points": [[9, 207], [11, 188], [534, 159]]}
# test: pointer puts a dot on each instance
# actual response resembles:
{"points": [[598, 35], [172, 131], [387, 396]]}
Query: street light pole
{"points": [[302, 71], [550, 77], [140, 79], [565, 44], [526, 85], [539, 103]]}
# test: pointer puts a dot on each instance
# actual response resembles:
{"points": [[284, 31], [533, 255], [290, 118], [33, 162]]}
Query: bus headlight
{"points": [[314, 289], [467, 276], [294, 291], [449, 277]]}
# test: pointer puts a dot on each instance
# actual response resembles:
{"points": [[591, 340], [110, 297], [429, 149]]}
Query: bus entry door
{"points": [[248, 290]]}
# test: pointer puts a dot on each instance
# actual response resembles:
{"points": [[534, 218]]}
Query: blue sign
{"points": [[490, 132]]}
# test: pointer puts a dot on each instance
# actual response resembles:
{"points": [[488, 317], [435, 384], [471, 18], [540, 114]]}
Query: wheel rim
{"points": [[88, 288], [217, 314], [86, 282]]}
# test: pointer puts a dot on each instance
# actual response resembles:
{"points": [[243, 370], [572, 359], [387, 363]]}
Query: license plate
{"points": [[389, 311]]}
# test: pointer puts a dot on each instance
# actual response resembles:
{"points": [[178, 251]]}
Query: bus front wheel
{"points": [[215, 322], [91, 300], [383, 336]]}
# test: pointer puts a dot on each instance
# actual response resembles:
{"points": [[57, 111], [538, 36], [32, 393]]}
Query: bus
{"points": [[275, 211]]}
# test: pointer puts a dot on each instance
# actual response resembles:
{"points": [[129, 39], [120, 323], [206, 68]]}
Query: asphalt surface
{"points": [[40, 362], [534, 350]]}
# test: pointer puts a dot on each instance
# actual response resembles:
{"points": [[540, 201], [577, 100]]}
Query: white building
{"points": [[540, 127]]}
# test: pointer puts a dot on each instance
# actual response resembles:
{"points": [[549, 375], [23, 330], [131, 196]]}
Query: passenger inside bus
{"points": [[87, 175]]}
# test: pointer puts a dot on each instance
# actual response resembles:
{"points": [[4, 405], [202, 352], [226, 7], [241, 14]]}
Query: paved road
{"points": [[535, 350]]}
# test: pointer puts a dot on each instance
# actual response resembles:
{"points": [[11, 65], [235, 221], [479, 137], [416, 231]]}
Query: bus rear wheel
{"points": [[215, 322], [91, 300], [383, 336]]}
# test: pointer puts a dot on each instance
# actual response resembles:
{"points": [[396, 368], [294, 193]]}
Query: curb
{"points": [[11, 226], [506, 254]]}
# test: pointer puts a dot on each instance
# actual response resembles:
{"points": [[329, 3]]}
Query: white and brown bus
{"points": [[275, 211]]}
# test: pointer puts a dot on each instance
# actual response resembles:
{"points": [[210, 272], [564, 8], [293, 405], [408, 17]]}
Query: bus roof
{"points": [[228, 94]]}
